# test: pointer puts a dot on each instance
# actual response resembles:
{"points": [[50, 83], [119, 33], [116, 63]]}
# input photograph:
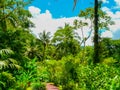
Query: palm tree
{"points": [[66, 41], [32, 50], [96, 36], [45, 39]]}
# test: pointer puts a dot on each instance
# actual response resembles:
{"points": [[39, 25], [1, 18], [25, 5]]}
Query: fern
{"points": [[6, 62], [5, 52], [3, 64]]}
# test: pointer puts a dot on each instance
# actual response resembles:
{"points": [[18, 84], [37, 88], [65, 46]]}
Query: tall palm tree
{"points": [[32, 50], [66, 41], [45, 39], [96, 36]]}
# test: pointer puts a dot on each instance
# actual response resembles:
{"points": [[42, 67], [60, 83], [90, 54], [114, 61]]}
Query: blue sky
{"points": [[50, 14], [63, 8]]}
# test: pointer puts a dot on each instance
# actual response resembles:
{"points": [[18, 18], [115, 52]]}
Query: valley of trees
{"points": [[64, 59]]}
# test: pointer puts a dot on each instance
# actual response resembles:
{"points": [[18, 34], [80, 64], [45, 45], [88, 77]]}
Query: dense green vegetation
{"points": [[28, 62]]}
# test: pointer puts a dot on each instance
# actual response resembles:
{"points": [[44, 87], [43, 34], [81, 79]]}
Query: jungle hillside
{"points": [[65, 58]]}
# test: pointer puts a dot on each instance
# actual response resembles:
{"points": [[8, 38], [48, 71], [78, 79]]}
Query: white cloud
{"points": [[34, 10], [105, 9], [44, 21], [107, 34], [115, 17], [105, 1], [117, 2]]}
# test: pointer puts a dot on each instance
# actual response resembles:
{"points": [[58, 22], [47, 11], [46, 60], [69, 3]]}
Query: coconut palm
{"points": [[44, 37], [96, 36], [66, 41]]}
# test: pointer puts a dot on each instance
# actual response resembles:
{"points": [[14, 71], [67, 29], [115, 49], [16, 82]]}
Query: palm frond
{"points": [[17, 66], [11, 60], [7, 75], [5, 52], [45, 37], [3, 64], [75, 2], [2, 83], [13, 64], [9, 63]]}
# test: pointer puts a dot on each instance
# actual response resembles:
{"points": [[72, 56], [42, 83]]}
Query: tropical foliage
{"points": [[28, 62]]}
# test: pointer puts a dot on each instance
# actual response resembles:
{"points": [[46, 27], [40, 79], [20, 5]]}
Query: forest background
{"points": [[28, 62]]}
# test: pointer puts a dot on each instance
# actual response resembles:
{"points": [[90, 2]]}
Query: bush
{"points": [[109, 61], [70, 74], [6, 80], [98, 77], [38, 86]]}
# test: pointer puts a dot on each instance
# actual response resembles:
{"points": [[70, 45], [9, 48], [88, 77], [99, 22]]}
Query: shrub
{"points": [[38, 86], [98, 77]]}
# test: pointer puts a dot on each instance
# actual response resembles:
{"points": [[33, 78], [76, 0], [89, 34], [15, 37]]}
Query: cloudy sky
{"points": [[50, 14]]}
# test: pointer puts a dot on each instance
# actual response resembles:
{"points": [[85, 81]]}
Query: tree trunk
{"points": [[44, 49], [96, 36]]}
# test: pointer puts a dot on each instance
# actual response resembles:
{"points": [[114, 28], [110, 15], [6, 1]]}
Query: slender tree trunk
{"points": [[83, 56], [96, 36], [44, 49]]}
